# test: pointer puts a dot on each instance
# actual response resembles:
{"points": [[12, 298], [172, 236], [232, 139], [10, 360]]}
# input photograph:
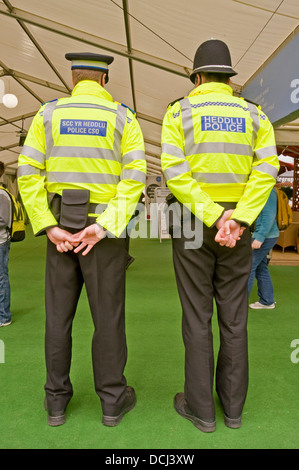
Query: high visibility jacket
{"points": [[217, 148], [85, 141]]}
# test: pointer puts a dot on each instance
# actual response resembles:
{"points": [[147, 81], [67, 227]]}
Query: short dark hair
{"points": [[1, 168], [215, 77], [85, 74]]}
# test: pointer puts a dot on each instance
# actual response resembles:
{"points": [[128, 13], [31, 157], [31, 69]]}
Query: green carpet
{"points": [[155, 364]]}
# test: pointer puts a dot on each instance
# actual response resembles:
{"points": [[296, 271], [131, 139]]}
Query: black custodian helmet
{"points": [[212, 56]]}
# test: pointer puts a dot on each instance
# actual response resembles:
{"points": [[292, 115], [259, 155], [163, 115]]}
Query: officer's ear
{"points": [[197, 79], [103, 79]]}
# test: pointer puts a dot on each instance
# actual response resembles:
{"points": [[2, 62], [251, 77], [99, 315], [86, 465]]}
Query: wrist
{"points": [[99, 231]]}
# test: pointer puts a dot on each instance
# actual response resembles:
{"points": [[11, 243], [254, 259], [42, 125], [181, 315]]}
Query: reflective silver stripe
{"points": [[220, 178], [267, 168], [173, 150], [132, 156], [177, 170], [34, 154], [87, 105], [88, 178], [94, 152], [27, 170], [222, 147], [191, 148], [188, 129], [47, 121], [254, 114], [266, 152], [135, 175], [97, 208], [119, 128], [83, 152]]}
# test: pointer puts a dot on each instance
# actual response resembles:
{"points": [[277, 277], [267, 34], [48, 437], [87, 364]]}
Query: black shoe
{"points": [[233, 423], [129, 404], [181, 407], [55, 418]]}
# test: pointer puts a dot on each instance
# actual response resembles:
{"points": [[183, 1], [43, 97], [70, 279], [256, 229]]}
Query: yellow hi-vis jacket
{"points": [[218, 148], [85, 141]]}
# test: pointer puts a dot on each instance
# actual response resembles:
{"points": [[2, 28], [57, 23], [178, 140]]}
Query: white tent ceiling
{"points": [[153, 43]]}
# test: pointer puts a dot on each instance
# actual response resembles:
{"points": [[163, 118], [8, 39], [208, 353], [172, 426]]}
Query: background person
{"points": [[219, 155], [5, 224], [263, 240], [85, 154]]}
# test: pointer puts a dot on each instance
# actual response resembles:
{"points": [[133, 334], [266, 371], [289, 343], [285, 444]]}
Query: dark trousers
{"points": [[204, 274], [103, 272]]}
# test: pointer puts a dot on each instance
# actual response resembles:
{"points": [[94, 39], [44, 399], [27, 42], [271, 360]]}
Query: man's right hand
{"points": [[61, 238], [229, 231]]}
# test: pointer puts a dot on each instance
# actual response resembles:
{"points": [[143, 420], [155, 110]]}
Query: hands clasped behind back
{"points": [[229, 231], [66, 241]]}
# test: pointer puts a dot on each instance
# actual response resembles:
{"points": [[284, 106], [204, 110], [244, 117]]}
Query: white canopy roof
{"points": [[153, 43]]}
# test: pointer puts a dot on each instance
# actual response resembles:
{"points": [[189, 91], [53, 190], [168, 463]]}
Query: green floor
{"points": [[154, 368]]}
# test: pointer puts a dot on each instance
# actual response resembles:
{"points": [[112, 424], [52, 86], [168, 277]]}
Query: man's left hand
{"points": [[229, 231], [88, 237]]}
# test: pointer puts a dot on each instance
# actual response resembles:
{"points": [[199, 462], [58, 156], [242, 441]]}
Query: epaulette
{"points": [[249, 101], [51, 101], [174, 101], [125, 106]]}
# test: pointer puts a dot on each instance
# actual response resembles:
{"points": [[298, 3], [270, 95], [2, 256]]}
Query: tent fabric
{"points": [[153, 43]]}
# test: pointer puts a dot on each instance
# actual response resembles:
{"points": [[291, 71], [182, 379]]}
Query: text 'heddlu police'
{"points": [[223, 124]]}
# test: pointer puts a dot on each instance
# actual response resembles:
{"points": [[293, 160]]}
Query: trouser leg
{"points": [[63, 287], [264, 281], [194, 269], [104, 276], [201, 274], [5, 313], [231, 294]]}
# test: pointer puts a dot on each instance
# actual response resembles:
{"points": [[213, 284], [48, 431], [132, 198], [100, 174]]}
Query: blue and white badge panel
{"points": [[83, 127], [223, 124]]}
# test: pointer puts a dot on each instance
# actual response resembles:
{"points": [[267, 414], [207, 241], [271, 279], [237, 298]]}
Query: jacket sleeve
{"points": [[4, 210], [132, 179], [31, 179], [263, 175], [177, 171], [266, 218]]}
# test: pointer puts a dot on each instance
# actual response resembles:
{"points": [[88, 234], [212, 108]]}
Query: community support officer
{"points": [[81, 173], [5, 224], [219, 160]]}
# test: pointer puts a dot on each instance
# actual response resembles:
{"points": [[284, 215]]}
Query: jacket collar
{"points": [[212, 87], [90, 87]]}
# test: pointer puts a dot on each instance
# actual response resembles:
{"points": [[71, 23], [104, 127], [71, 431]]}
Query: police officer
{"points": [[81, 173], [219, 159]]}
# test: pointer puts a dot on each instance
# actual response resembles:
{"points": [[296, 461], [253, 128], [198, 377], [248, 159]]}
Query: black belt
{"points": [[95, 208]]}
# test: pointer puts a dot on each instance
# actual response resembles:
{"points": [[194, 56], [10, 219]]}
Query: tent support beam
{"points": [[128, 38], [95, 41]]}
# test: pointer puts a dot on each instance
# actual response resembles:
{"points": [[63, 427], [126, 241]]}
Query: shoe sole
{"points": [[112, 421], [198, 423], [264, 307], [233, 423], [54, 420]]}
